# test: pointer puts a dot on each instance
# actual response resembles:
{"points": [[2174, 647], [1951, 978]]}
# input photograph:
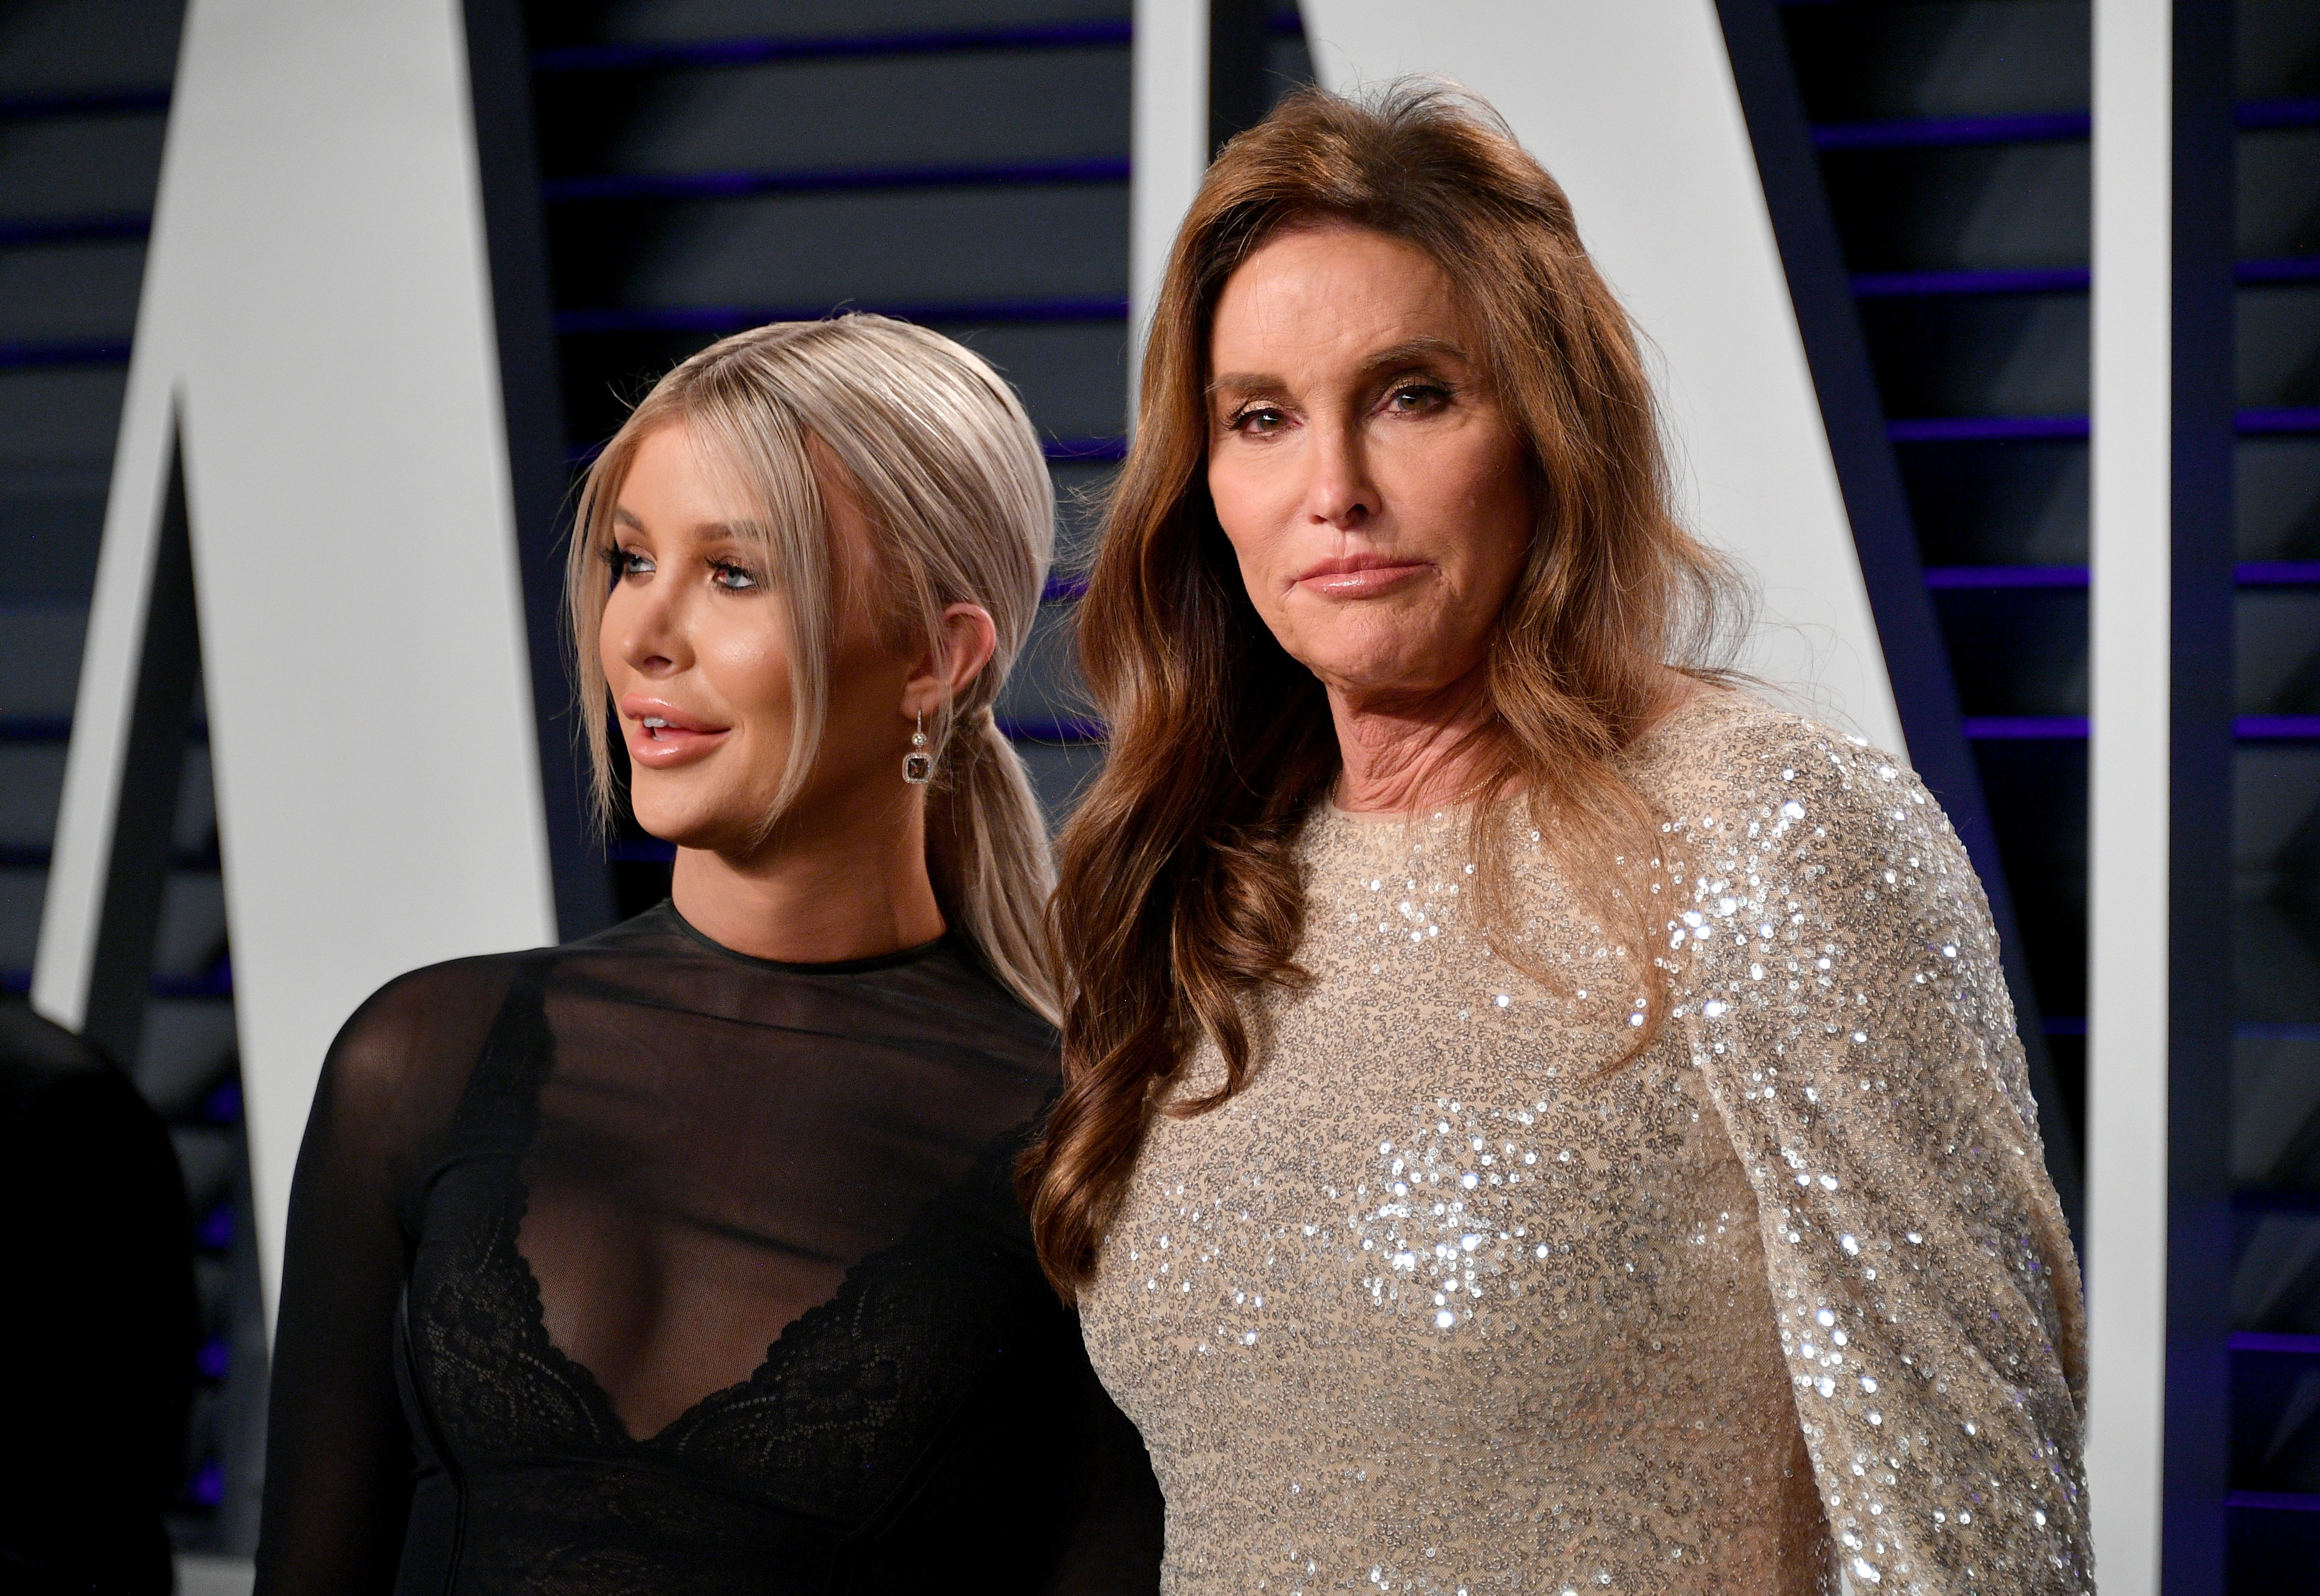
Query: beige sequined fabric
{"points": [[1431, 1307]]}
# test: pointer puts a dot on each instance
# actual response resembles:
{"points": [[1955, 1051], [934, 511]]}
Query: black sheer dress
{"points": [[640, 1266]]}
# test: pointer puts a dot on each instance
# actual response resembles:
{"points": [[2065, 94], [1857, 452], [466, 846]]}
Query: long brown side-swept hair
{"points": [[1180, 897]]}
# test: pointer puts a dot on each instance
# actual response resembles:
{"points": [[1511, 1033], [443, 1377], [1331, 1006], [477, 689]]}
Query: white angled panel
{"points": [[1631, 104], [2128, 778], [1169, 143], [316, 307]]}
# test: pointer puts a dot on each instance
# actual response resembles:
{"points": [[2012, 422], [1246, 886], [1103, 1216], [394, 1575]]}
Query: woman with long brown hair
{"points": [[1536, 1117]]}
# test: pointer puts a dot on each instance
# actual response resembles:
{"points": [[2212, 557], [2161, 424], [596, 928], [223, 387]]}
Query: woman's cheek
{"points": [[751, 672]]}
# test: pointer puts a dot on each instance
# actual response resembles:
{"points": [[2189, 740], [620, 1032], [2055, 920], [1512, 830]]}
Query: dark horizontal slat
{"points": [[2284, 1341], [1944, 132], [1890, 285], [2277, 1030], [2025, 728], [2256, 114], [2277, 728], [2257, 573], [2292, 269], [103, 103], [1971, 577], [836, 47], [2052, 279], [1059, 730], [74, 230], [715, 318], [2073, 728], [78, 351], [2272, 1502], [58, 729], [1059, 452], [2263, 422], [35, 856], [2274, 420], [214, 982], [1986, 429], [2267, 1199], [2271, 1030], [1063, 451], [740, 184], [1935, 132], [2278, 573]]}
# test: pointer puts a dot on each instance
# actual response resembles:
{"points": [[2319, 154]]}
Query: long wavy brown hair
{"points": [[1180, 896]]}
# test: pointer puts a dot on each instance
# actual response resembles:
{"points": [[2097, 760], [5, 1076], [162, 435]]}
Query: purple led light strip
{"points": [[2260, 573], [737, 318], [2267, 422], [654, 185], [744, 52]]}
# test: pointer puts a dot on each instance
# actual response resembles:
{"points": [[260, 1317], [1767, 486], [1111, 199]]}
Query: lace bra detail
{"points": [[850, 1396]]}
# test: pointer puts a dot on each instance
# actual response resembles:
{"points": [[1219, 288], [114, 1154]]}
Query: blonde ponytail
{"points": [[935, 448], [986, 840]]}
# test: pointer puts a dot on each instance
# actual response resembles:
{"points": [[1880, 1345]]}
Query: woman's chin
{"points": [[1386, 677], [686, 827]]}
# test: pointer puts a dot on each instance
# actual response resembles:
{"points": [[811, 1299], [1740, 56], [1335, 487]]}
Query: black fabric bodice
{"points": [[640, 1265]]}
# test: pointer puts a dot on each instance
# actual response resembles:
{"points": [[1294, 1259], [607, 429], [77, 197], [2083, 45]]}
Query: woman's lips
{"points": [[660, 735], [1360, 575]]}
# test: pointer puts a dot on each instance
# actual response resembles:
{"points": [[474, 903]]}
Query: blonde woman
{"points": [[682, 1258], [1539, 1120]]}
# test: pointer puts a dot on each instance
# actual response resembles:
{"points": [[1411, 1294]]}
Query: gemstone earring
{"points": [[918, 764]]}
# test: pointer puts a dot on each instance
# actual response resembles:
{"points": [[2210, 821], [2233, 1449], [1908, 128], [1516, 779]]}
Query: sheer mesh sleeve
{"points": [[339, 1458], [1846, 1003]]}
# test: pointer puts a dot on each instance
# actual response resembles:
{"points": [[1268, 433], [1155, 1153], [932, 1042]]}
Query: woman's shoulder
{"points": [[426, 1021], [1734, 777], [1765, 806], [1725, 757]]}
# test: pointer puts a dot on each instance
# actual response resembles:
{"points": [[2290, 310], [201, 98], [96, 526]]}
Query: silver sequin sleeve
{"points": [[1842, 994]]}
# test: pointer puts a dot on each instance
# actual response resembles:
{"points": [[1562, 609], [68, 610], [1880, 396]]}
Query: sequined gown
{"points": [[1433, 1306], [638, 1265]]}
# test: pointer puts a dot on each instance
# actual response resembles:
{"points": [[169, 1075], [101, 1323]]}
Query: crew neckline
{"points": [[901, 956]]}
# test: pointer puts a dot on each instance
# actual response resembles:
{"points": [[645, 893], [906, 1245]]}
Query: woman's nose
{"points": [[650, 633], [1340, 491]]}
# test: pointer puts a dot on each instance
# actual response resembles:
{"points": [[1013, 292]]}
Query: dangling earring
{"points": [[918, 764]]}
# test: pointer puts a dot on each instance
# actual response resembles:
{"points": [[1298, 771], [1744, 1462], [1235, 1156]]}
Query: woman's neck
{"points": [[1407, 752], [845, 883], [1418, 751]]}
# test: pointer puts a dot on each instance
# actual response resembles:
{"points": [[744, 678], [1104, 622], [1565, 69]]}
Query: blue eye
{"points": [[733, 578], [627, 562]]}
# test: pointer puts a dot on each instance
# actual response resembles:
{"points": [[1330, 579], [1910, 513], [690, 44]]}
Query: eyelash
{"points": [[1435, 393], [623, 564]]}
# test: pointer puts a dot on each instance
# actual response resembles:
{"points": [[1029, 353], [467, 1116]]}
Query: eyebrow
{"points": [[708, 532], [1415, 351]]}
